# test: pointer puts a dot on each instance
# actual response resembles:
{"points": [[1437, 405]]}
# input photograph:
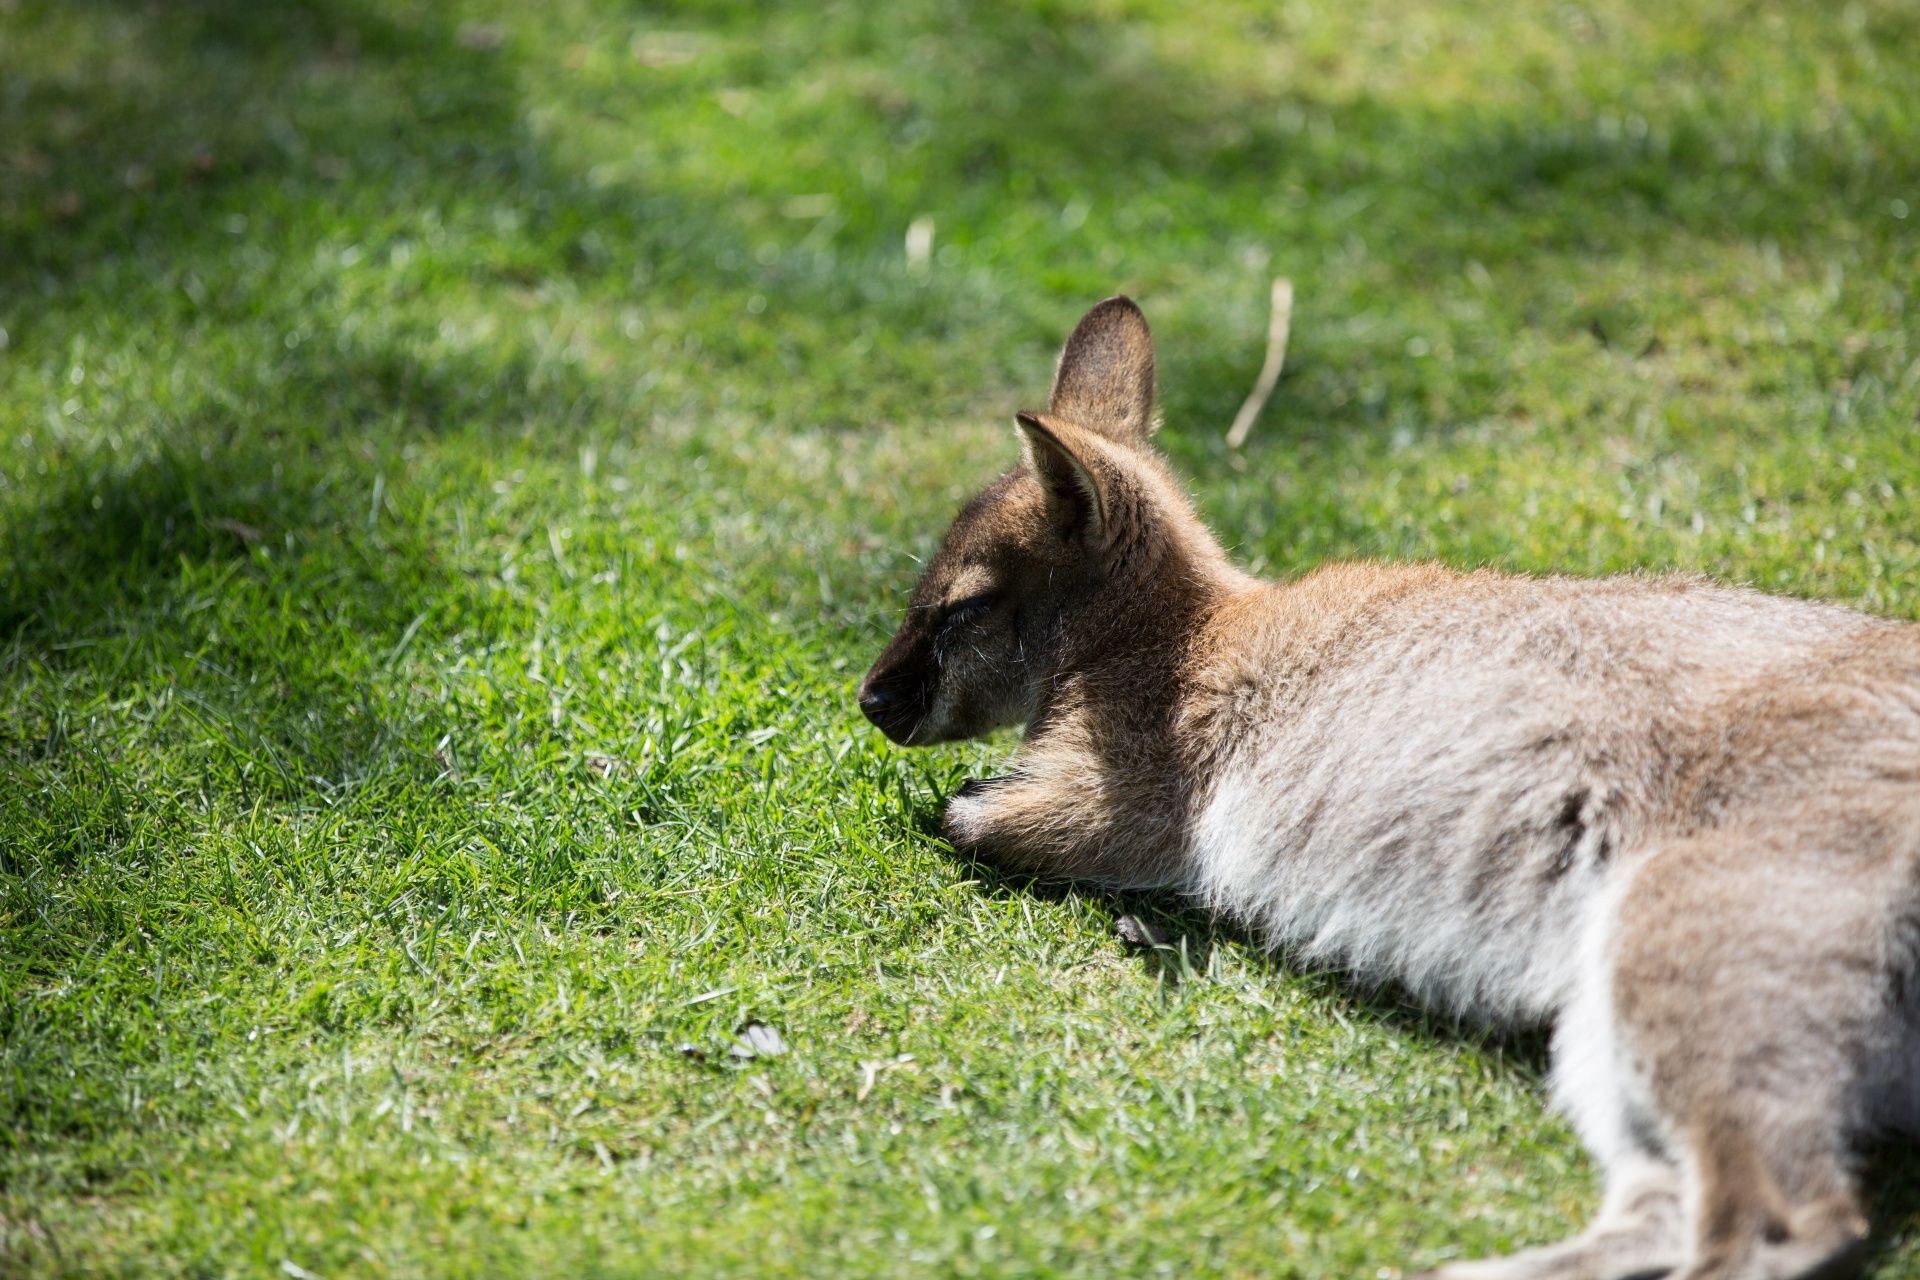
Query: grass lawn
{"points": [[456, 460]]}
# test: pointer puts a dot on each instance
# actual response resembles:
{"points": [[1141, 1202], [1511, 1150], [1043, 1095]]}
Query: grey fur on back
{"points": [[1525, 735]]}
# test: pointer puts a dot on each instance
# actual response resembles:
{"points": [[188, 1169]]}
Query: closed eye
{"points": [[972, 609]]}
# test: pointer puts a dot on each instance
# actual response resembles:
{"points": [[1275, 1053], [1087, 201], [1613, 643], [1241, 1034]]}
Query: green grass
{"points": [[452, 476]]}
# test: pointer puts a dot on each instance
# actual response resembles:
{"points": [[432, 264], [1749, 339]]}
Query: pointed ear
{"points": [[1077, 498], [1105, 379]]}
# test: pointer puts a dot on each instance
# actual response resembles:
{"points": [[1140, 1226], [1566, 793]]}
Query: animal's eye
{"points": [[972, 609]]}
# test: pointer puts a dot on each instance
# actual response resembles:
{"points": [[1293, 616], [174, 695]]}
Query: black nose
{"points": [[876, 701]]}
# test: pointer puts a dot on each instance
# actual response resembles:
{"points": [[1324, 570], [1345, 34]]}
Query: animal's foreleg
{"points": [[1001, 822]]}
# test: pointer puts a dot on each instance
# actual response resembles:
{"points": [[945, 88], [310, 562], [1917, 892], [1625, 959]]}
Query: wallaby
{"points": [[1676, 821]]}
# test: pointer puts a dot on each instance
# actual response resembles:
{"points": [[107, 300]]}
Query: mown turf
{"points": [[455, 461]]}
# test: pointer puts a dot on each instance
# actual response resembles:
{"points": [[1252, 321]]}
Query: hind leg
{"points": [[1640, 1231], [1748, 1226], [1641, 1227], [1729, 1003], [1753, 984]]}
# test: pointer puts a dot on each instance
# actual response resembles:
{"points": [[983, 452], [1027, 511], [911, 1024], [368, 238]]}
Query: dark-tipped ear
{"points": [[1075, 491], [1105, 379]]}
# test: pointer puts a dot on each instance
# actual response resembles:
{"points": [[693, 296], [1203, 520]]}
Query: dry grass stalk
{"points": [[1277, 327]]}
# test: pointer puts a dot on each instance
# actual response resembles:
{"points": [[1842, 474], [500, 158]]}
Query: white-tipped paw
{"points": [[968, 822]]}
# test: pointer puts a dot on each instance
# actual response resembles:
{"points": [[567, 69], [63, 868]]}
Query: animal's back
{"points": [[1430, 777]]}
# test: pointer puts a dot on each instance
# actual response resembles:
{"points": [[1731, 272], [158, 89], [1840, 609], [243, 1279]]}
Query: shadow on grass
{"points": [[1195, 937], [176, 116], [131, 182], [1890, 1173], [197, 139], [245, 559]]}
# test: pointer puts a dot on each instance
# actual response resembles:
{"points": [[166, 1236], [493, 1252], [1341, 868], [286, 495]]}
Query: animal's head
{"points": [[1076, 538]]}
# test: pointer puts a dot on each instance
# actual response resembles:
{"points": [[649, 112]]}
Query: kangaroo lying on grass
{"points": [[1678, 822]]}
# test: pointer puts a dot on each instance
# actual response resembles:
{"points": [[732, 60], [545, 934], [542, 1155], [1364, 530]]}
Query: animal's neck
{"points": [[1124, 666]]}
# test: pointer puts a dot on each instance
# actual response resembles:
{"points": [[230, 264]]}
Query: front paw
{"points": [[967, 822]]}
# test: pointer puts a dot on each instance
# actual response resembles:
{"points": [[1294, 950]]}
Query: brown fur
{"points": [[1676, 820]]}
